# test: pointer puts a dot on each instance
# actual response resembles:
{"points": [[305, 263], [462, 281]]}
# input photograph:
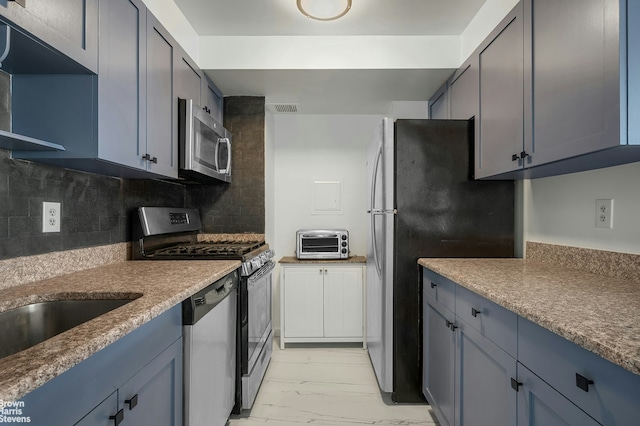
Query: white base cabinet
{"points": [[321, 303]]}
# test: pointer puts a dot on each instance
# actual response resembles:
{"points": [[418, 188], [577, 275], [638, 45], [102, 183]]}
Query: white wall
{"points": [[561, 209], [305, 148], [487, 18]]}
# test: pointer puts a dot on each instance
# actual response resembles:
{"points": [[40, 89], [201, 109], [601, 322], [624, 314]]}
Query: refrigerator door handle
{"points": [[374, 212]]}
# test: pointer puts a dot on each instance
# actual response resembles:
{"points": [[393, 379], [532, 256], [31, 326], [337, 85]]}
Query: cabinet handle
{"points": [[149, 158], [451, 326], [434, 285], [132, 402], [475, 312], [522, 155], [321, 270], [583, 383], [515, 385], [118, 418]]}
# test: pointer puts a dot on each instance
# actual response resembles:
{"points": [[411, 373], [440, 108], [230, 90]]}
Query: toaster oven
{"points": [[322, 244]]}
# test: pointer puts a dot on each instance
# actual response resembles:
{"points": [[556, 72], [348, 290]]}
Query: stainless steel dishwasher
{"points": [[209, 332]]}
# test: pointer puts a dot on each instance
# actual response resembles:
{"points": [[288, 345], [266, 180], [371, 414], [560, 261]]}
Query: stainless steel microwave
{"points": [[322, 244], [205, 146]]}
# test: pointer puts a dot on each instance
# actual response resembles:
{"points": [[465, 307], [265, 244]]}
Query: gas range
{"points": [[164, 233]]}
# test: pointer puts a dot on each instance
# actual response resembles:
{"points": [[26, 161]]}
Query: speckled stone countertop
{"points": [[597, 312], [158, 286], [352, 259]]}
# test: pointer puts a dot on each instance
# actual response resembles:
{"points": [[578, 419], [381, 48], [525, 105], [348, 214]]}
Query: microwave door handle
{"points": [[228, 168], [216, 154]]}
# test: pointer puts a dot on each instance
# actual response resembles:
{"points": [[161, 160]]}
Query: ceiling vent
{"points": [[284, 108]]}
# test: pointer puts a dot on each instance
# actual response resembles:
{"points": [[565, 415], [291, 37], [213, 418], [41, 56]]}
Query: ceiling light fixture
{"points": [[324, 10]]}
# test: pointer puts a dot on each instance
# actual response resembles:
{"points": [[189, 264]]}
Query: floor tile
{"points": [[326, 386]]}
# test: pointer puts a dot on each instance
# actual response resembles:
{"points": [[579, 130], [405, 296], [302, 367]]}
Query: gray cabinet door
{"points": [[212, 99], [162, 106], [439, 103], [541, 405], [439, 360], [69, 26], [463, 90], [188, 78], [500, 117], [574, 76], [484, 395], [153, 397], [122, 82], [99, 416]]}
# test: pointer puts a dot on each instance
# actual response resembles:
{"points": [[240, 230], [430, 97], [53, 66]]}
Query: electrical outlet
{"points": [[604, 213], [50, 217]]}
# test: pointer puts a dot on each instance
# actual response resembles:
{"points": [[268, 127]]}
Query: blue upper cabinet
{"points": [[499, 125], [212, 99], [439, 103], [581, 92], [68, 26], [125, 118]]}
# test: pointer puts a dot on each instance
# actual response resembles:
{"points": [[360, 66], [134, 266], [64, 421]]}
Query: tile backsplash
{"points": [[96, 209]]}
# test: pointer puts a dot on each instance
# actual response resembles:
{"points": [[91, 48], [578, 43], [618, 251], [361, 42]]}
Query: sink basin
{"points": [[26, 326]]}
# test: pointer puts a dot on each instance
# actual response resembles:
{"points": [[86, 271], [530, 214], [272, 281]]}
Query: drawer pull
{"points": [[132, 402], [434, 285], [451, 326], [582, 382], [118, 418], [515, 385], [475, 312]]}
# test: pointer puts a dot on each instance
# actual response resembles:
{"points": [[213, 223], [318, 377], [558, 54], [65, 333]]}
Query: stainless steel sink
{"points": [[26, 326]]}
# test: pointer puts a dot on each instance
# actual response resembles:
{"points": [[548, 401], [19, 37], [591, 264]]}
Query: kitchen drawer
{"points": [[494, 322], [612, 399], [441, 289]]}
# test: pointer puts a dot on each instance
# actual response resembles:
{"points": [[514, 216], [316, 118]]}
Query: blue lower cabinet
{"points": [[484, 395], [551, 381], [541, 405], [153, 397], [439, 360], [100, 416], [144, 367]]}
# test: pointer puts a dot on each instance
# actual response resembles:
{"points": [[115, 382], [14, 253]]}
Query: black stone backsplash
{"points": [[239, 206], [96, 209]]}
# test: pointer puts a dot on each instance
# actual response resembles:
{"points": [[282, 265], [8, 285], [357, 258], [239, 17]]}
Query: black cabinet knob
{"points": [[475, 312], [515, 157], [582, 382], [515, 385], [118, 417], [132, 402], [434, 285], [154, 160]]}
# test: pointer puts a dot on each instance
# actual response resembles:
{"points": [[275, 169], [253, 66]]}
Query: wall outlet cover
{"points": [[50, 217], [604, 213]]}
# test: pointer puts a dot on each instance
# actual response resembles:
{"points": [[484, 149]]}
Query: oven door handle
{"points": [[267, 268]]}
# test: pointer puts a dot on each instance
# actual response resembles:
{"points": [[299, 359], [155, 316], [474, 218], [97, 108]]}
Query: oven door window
{"points": [[259, 295], [206, 145], [320, 245]]}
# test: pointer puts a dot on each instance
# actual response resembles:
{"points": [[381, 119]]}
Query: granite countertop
{"points": [[597, 312], [350, 259], [158, 286]]}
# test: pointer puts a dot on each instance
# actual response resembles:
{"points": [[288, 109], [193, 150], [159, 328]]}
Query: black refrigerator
{"points": [[423, 202]]}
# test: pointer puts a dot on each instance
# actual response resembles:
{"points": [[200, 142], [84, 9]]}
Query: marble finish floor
{"points": [[325, 386]]}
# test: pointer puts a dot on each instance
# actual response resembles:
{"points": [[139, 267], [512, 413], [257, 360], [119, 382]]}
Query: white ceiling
{"points": [[340, 91]]}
